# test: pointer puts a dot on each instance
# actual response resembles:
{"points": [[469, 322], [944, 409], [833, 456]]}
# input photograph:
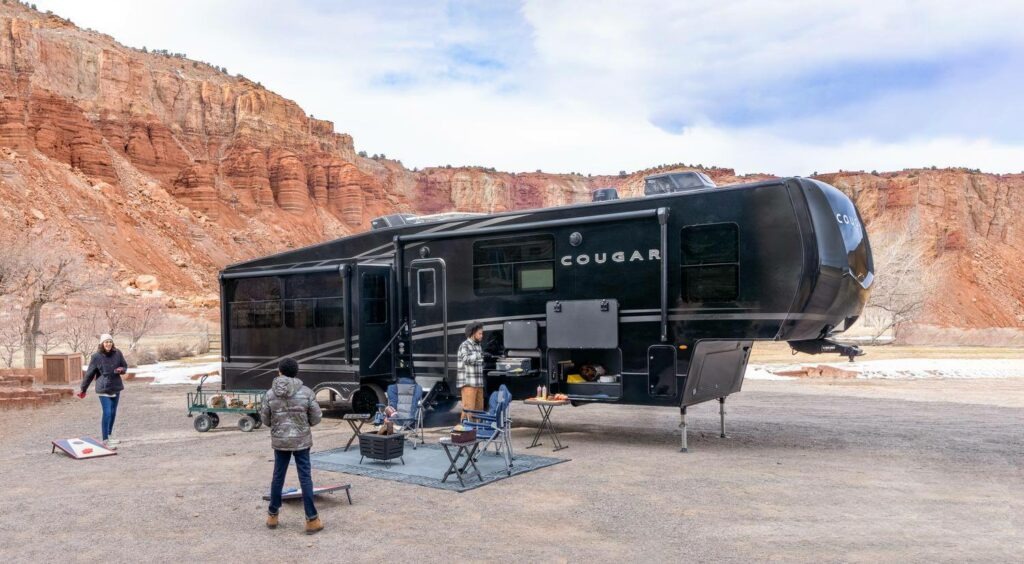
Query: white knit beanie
{"points": [[106, 337]]}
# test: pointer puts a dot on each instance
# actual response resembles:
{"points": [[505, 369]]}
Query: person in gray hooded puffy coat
{"points": [[290, 409]]}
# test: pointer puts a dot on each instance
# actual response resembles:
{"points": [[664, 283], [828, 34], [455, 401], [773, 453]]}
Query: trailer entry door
{"points": [[373, 283], [428, 307]]}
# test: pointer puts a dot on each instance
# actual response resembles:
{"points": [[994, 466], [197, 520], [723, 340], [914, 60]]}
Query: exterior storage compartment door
{"points": [[716, 370], [661, 371], [583, 324]]}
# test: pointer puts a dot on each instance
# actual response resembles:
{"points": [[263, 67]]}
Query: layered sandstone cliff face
{"points": [[971, 231], [150, 164]]}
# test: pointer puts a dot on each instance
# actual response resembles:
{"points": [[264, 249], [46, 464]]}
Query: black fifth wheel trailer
{"points": [[653, 301]]}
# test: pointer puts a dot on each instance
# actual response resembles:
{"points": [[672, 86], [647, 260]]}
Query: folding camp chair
{"points": [[406, 398], [495, 425]]}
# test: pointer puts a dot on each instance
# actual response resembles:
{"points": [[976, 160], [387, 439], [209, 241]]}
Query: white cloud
{"points": [[781, 87]]}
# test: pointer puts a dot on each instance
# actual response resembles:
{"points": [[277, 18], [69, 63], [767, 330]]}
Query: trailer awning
{"points": [[281, 271]]}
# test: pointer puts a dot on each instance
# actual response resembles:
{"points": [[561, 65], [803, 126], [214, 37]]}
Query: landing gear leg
{"points": [[682, 428], [721, 414]]}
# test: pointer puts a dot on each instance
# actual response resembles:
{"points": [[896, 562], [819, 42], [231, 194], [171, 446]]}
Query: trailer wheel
{"points": [[246, 423], [215, 419], [257, 422], [365, 400], [202, 423]]}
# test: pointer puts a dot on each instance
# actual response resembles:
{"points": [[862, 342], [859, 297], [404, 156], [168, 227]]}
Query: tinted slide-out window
{"points": [[256, 303], [514, 265], [710, 263]]}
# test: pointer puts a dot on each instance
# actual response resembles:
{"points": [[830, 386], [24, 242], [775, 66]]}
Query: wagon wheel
{"points": [[215, 419], [203, 422], [246, 423], [257, 422]]}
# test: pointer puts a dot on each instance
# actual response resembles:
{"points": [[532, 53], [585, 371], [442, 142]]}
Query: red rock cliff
{"points": [[173, 168]]}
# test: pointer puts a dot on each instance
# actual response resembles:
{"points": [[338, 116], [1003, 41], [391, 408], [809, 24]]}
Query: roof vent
{"points": [[393, 220], [605, 194], [671, 182]]}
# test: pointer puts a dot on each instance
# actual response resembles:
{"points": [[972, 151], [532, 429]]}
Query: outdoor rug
{"points": [[426, 465]]}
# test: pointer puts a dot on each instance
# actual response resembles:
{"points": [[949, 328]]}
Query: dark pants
{"points": [[281, 458], [109, 406]]}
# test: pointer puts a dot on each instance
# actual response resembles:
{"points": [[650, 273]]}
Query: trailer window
{"points": [[314, 300], [256, 315], [330, 312], [317, 285], [256, 303], [514, 265], [426, 291], [257, 289], [536, 278], [300, 314], [710, 263], [375, 298]]}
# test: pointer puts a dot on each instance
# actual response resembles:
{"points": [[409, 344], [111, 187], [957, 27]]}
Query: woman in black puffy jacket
{"points": [[106, 366]]}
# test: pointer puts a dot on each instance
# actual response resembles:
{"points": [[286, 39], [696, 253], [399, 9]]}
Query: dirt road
{"points": [[812, 471]]}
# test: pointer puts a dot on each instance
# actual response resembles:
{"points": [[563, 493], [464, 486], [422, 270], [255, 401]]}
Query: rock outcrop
{"points": [[245, 170], [194, 187], [159, 165], [967, 224]]}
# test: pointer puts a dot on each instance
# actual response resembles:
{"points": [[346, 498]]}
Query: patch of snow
{"points": [[912, 368], [922, 368], [763, 373], [177, 372]]}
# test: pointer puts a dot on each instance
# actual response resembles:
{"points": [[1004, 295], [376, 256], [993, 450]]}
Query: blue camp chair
{"points": [[406, 397], [495, 425]]}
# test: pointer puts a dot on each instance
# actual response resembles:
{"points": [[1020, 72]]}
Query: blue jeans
{"points": [[109, 406], [281, 459]]}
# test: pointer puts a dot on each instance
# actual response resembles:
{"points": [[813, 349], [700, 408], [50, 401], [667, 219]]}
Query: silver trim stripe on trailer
{"points": [[456, 326], [312, 349]]}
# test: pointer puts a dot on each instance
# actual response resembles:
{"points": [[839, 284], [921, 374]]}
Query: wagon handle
{"points": [[199, 388]]}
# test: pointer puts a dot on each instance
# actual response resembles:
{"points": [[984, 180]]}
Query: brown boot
{"points": [[314, 525], [271, 521]]}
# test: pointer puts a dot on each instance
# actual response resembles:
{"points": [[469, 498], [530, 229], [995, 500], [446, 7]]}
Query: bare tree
{"points": [[113, 315], [48, 337], [902, 280], [44, 274], [12, 261], [139, 320], [81, 329], [10, 342]]}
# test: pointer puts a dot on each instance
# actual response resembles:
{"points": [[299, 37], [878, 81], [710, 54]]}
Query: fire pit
{"points": [[384, 448]]}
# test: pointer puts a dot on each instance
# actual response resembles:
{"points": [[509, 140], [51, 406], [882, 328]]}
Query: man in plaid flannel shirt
{"points": [[471, 368]]}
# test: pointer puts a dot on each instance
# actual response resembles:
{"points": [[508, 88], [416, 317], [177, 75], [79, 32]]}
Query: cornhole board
{"points": [[81, 447], [296, 493]]}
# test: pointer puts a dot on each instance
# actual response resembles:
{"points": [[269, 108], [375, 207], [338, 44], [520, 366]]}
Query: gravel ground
{"points": [[812, 471]]}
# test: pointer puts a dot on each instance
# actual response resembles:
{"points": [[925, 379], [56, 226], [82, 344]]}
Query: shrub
{"points": [[174, 351], [140, 357], [202, 347]]}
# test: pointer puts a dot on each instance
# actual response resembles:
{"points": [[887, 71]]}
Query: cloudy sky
{"points": [[787, 87]]}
